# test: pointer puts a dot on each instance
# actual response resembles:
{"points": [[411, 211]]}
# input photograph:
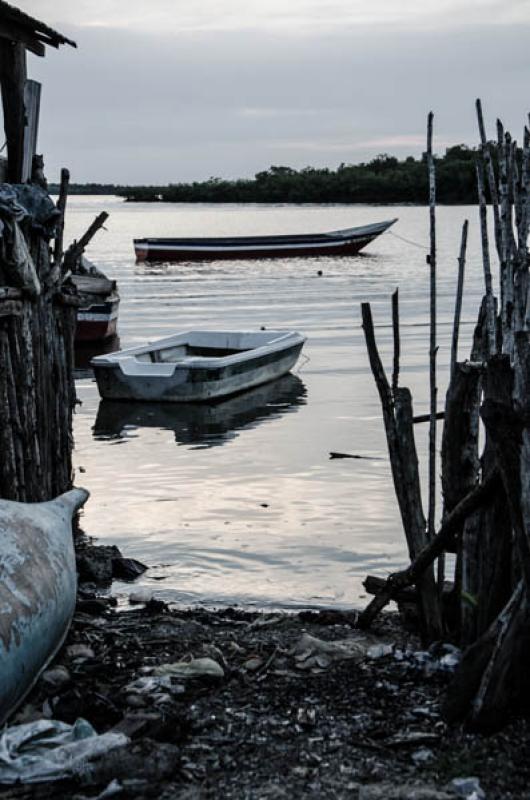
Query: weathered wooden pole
{"points": [[490, 300], [431, 260], [13, 77], [459, 293], [492, 184]]}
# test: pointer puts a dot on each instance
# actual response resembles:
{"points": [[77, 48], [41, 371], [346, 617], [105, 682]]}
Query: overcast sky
{"points": [[165, 90]]}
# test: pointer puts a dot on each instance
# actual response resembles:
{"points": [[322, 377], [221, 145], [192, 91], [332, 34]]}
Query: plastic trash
{"points": [[310, 652], [49, 750], [379, 651], [196, 668], [469, 788]]}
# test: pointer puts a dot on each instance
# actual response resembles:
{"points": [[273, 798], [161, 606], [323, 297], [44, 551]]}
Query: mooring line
{"points": [[408, 241]]}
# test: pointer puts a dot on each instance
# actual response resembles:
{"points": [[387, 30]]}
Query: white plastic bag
{"points": [[49, 750]]}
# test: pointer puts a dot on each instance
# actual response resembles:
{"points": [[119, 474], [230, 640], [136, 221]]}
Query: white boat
{"points": [[197, 366], [37, 589]]}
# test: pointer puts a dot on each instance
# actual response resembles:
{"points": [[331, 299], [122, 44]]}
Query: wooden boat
{"points": [[98, 319], [335, 243], [196, 366], [37, 589]]}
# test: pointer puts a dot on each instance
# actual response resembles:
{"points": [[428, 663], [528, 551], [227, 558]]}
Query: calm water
{"points": [[241, 502]]}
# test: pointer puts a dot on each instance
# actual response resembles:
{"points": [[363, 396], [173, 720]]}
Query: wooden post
{"points": [[61, 205], [399, 427], [32, 93], [395, 329], [459, 293], [490, 301], [492, 185], [433, 348], [13, 82]]}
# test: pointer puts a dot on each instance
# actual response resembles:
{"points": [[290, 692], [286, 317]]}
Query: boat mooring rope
{"points": [[306, 361], [408, 241]]}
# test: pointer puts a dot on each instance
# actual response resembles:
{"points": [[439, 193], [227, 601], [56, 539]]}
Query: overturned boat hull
{"points": [[37, 589], [345, 242], [197, 366]]}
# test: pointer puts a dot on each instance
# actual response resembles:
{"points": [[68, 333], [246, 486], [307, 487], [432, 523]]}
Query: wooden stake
{"points": [[459, 293], [397, 416], [490, 172], [433, 348], [61, 205], [490, 300], [478, 497], [395, 328]]}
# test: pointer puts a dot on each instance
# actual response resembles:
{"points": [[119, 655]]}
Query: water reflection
{"points": [[202, 424]]}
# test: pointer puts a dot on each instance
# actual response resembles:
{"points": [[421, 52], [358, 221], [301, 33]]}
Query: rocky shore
{"points": [[230, 704]]}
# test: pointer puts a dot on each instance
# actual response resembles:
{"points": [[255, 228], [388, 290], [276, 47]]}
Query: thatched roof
{"points": [[17, 26]]}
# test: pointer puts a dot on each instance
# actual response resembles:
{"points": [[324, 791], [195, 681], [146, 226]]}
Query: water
{"points": [[241, 503]]}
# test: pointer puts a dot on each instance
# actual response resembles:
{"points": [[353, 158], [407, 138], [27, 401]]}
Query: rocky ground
{"points": [[229, 704]]}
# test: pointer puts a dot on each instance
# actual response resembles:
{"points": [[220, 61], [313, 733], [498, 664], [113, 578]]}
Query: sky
{"points": [[162, 91]]}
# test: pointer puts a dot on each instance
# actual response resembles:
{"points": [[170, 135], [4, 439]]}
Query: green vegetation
{"points": [[385, 179]]}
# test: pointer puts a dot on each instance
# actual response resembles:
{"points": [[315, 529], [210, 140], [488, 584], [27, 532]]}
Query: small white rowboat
{"points": [[197, 366], [38, 587]]}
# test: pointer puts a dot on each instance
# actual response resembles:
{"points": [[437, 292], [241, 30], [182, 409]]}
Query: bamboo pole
{"points": [[433, 347], [459, 293]]}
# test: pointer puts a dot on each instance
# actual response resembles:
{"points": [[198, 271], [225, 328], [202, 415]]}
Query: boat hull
{"points": [[192, 385], [338, 243], [97, 322], [197, 366], [37, 590]]}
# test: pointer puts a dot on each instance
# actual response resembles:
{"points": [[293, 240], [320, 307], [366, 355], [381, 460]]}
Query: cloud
{"points": [[139, 107], [298, 16]]}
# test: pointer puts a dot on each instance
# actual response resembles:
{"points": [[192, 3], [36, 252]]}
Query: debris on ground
{"points": [[235, 704]]}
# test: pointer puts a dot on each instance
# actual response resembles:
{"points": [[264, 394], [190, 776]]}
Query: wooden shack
{"points": [[37, 300]]}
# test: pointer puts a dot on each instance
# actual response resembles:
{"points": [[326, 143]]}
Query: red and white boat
{"points": [[335, 243], [98, 319]]}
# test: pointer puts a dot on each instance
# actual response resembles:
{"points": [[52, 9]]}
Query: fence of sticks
{"points": [[485, 519]]}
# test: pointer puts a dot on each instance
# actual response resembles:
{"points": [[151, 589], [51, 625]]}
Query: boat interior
{"points": [[168, 355]]}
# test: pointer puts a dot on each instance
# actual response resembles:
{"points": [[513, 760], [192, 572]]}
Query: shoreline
{"points": [[270, 705]]}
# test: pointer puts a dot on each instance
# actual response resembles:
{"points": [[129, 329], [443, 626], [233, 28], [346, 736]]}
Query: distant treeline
{"points": [[90, 188], [385, 179]]}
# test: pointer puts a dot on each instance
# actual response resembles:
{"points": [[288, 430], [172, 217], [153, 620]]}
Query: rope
{"points": [[302, 365], [408, 241]]}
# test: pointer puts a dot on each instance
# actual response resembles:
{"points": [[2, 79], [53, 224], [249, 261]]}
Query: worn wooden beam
{"points": [[13, 82], [14, 33], [32, 94]]}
